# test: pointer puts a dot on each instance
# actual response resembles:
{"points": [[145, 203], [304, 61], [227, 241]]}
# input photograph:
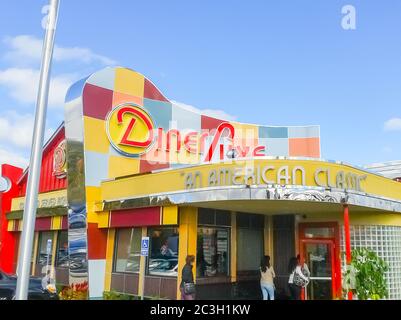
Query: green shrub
{"points": [[365, 277], [113, 295]]}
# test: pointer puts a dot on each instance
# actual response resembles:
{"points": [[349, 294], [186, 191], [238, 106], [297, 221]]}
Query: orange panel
{"points": [[305, 147], [120, 98]]}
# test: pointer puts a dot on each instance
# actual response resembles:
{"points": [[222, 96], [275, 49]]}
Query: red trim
{"points": [[64, 223], [331, 244], [125, 139], [8, 240], [337, 286], [135, 217], [151, 92], [347, 241], [43, 224]]}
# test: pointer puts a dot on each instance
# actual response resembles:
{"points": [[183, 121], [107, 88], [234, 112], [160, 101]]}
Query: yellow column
{"points": [[268, 237], [142, 267], [233, 247], [35, 252], [188, 228], [54, 252], [109, 258]]}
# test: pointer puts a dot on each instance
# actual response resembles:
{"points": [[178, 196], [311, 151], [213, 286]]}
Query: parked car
{"points": [[164, 267], [8, 285]]}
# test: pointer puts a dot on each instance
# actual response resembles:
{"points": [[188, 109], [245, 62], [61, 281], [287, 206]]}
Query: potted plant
{"points": [[365, 276]]}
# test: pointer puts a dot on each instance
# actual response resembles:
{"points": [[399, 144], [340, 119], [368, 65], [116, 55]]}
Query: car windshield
{"points": [[157, 265]]}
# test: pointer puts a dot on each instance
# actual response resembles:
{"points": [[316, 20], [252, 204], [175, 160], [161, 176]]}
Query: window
{"points": [[249, 249], [213, 217], [323, 232], [163, 255], [128, 250], [45, 248], [212, 251], [249, 241], [62, 249]]}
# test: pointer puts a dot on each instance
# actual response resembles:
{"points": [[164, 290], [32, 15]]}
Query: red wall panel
{"points": [[97, 242], [135, 217], [48, 182], [8, 240], [43, 224], [64, 223]]}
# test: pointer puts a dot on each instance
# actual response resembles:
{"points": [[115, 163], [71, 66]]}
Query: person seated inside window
{"points": [[165, 250]]}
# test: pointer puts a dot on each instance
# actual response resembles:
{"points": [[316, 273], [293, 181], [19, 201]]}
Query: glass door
{"points": [[318, 256]]}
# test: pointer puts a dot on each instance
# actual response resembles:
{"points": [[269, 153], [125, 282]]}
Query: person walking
{"points": [[295, 270], [266, 278], [187, 285]]}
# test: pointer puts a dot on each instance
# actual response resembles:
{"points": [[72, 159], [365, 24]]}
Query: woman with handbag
{"points": [[266, 278], [187, 286], [297, 279]]}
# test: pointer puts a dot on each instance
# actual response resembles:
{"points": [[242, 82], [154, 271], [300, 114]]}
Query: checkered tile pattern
{"points": [[111, 87]]}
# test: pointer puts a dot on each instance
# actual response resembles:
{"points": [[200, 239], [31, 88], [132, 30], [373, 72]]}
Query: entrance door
{"points": [[319, 256]]}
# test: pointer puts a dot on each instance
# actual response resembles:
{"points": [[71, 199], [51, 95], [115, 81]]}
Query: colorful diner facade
{"points": [[127, 163]]}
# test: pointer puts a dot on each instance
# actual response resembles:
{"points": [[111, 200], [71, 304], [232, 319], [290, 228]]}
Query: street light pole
{"points": [[25, 252]]}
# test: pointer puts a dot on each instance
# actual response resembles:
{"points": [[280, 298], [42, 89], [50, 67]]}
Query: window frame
{"points": [[56, 265], [116, 245], [40, 236]]}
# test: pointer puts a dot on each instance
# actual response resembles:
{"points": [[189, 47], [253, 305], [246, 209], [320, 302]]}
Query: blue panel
{"points": [[161, 112], [276, 146], [273, 132], [114, 152], [75, 90], [97, 168], [304, 132], [104, 78]]}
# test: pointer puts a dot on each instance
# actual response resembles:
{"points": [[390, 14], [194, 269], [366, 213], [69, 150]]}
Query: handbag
{"points": [[189, 288], [298, 280]]}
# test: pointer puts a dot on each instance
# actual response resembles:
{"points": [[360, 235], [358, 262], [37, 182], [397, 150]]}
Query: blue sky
{"points": [[271, 62]]}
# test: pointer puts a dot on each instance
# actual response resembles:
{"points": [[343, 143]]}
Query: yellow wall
{"points": [[35, 251], [233, 247], [170, 215], [17, 203], [142, 267], [54, 250], [188, 225], [356, 218]]}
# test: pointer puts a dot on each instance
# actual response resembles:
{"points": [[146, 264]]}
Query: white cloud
{"points": [[16, 130], [23, 85], [25, 47], [393, 124], [215, 113], [12, 158]]}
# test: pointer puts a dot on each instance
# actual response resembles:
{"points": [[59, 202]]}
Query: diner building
{"points": [[128, 163]]}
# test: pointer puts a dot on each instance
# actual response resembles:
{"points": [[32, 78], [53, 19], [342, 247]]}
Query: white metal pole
{"points": [[25, 252]]}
